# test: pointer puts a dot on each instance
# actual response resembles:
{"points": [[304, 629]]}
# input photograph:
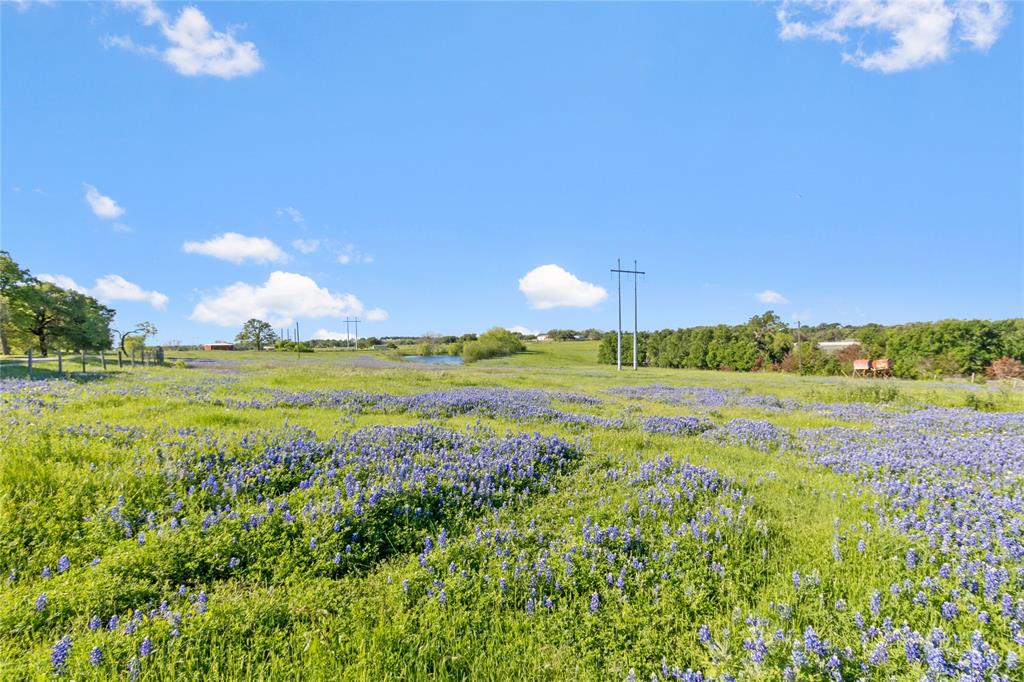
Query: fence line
{"points": [[31, 362]]}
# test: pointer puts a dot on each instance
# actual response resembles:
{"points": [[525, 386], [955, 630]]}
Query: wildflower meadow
{"points": [[264, 517]]}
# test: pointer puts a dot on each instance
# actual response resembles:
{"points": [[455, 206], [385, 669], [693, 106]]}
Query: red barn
{"points": [[219, 345]]}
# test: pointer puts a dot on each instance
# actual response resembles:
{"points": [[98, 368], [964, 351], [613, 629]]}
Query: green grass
{"points": [[299, 625]]}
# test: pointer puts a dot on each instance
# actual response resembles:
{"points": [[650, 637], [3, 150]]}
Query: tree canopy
{"points": [[256, 333]]}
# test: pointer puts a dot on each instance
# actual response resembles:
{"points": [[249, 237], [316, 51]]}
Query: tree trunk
{"points": [[5, 344]]}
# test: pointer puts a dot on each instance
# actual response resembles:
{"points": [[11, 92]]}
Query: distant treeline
{"points": [[765, 342]]}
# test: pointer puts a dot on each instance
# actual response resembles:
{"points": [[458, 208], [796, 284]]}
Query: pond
{"points": [[435, 359]]}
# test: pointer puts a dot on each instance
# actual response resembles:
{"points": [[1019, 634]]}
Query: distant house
{"points": [[542, 337], [219, 345], [836, 346], [380, 346]]}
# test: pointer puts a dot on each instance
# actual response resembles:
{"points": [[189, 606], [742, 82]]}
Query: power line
{"points": [[635, 274]]}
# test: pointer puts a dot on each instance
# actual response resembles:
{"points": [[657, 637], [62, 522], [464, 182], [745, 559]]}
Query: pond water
{"points": [[435, 359]]}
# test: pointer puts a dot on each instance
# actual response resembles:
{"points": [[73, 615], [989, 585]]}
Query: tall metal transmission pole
{"points": [[635, 274], [356, 320]]}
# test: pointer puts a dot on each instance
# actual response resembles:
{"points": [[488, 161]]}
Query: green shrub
{"points": [[494, 343]]}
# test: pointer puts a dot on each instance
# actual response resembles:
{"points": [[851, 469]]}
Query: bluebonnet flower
{"points": [[41, 601], [201, 601], [704, 634], [63, 564], [95, 656], [59, 655], [595, 602]]}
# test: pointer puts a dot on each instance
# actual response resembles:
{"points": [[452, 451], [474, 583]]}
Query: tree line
{"points": [[43, 317], [765, 342]]}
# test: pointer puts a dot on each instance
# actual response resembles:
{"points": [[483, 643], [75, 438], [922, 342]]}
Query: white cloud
{"points": [[63, 281], [194, 47], [525, 331], [905, 35], [350, 254], [237, 248], [284, 297], [377, 315], [328, 335], [25, 5], [981, 22], [117, 288], [306, 245], [550, 286], [126, 43], [769, 296], [104, 207], [292, 213], [110, 288]]}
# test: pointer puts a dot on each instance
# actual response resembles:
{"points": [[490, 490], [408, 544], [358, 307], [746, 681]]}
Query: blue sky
{"points": [[450, 167]]}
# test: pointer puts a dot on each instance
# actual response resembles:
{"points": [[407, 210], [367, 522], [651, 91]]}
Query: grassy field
{"points": [[354, 516]]}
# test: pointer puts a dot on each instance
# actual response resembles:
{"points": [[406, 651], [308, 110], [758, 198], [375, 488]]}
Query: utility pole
{"points": [[356, 321], [348, 334], [799, 352], [298, 351], [635, 273]]}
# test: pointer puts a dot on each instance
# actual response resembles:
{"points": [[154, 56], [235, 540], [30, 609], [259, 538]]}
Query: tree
{"points": [[141, 332], [56, 317], [13, 281], [38, 314], [256, 333], [84, 323]]}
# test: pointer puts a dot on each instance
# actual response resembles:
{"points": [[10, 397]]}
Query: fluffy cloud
{"points": [[377, 315], [63, 281], [306, 245], [237, 248], [525, 331], [104, 207], [117, 288], [193, 48], [769, 296], [284, 297], [550, 286], [110, 288], [913, 34], [328, 335]]}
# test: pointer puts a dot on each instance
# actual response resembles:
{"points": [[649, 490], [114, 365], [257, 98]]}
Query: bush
{"points": [[494, 343], [1005, 368]]}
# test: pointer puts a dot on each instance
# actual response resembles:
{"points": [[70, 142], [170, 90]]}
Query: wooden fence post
{"points": [[29, 363], [83, 361], [120, 361], [103, 360], [133, 358], [60, 361]]}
